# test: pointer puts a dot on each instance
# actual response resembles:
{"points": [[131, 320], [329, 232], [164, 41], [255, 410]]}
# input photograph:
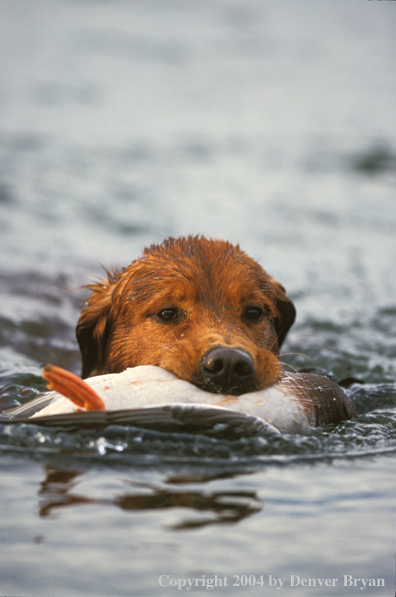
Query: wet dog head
{"points": [[202, 309]]}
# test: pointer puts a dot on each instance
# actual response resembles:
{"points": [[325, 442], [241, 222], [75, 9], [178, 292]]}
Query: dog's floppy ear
{"points": [[93, 328], [286, 312]]}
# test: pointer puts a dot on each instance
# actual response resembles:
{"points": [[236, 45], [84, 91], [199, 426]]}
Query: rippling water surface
{"points": [[271, 125]]}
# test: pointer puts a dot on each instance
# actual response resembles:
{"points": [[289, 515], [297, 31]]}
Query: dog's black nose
{"points": [[227, 370]]}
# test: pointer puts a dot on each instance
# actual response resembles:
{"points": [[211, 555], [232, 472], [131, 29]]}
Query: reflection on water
{"points": [[57, 491]]}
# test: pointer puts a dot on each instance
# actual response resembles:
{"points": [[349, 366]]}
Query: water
{"points": [[271, 125]]}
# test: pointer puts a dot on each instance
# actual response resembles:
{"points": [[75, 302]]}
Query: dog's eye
{"points": [[254, 314], [168, 314]]}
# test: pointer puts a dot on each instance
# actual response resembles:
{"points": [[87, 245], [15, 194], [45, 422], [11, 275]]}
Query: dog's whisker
{"points": [[169, 349], [295, 381], [287, 365], [298, 354]]}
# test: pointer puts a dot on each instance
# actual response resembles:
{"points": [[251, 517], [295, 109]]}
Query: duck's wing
{"points": [[30, 408], [181, 418]]}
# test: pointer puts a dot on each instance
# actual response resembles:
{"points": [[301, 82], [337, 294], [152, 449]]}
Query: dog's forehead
{"points": [[224, 274], [200, 257]]}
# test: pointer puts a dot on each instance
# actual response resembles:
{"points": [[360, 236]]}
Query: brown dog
{"points": [[199, 308]]}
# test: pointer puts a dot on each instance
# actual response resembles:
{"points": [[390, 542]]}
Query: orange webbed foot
{"points": [[72, 387]]}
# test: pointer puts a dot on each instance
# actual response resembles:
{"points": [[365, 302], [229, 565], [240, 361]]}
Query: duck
{"points": [[151, 397]]}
